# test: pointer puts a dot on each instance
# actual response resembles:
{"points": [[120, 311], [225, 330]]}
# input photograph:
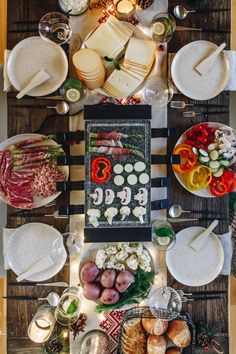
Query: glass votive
{"points": [[68, 310], [125, 10], [41, 327]]}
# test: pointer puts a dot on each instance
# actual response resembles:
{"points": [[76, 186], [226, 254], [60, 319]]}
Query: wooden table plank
{"points": [[214, 312], [26, 116]]}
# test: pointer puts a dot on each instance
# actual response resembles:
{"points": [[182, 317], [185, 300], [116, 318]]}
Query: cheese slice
{"points": [[133, 73], [140, 51], [120, 26], [123, 81], [86, 60], [104, 41], [136, 69]]}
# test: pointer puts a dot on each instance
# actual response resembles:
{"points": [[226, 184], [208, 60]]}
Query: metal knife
{"points": [[177, 220], [207, 30], [60, 284]]}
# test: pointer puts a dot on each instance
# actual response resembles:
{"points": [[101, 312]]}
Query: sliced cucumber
{"points": [[218, 173], [224, 163], [213, 170], [204, 159], [214, 164], [214, 155], [203, 152], [118, 168], [144, 178], [132, 179], [128, 167], [212, 147], [139, 166], [195, 150], [119, 180]]}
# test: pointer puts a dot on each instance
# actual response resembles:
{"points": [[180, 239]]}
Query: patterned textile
{"points": [[232, 219], [111, 325]]}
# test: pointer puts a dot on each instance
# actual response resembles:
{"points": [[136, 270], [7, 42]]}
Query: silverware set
{"points": [[181, 12], [200, 295], [193, 114]]}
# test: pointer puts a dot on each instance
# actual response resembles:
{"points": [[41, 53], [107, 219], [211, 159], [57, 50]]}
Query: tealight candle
{"points": [[42, 324], [125, 9]]}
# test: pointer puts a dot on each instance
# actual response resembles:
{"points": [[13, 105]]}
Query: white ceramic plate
{"points": [[193, 268], [205, 193], [37, 202], [189, 81], [30, 243], [137, 33], [32, 54]]}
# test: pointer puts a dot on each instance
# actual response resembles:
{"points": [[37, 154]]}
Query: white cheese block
{"points": [[140, 51]]}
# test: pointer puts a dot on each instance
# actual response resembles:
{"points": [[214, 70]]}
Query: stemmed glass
{"points": [[158, 91], [54, 26]]}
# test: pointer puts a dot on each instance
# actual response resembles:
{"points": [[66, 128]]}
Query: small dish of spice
{"points": [[74, 7]]}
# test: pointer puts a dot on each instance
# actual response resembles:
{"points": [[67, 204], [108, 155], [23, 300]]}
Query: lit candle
{"points": [[125, 9], [42, 324], [125, 6]]}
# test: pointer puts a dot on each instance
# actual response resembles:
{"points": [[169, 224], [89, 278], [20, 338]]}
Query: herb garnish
{"points": [[137, 291], [115, 62]]}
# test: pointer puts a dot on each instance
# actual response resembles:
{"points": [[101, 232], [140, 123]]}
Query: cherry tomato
{"points": [[204, 133], [201, 140], [189, 142], [189, 135]]}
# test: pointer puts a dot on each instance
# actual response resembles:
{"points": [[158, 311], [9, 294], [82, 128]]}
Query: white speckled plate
{"points": [[37, 201], [30, 243], [193, 268], [189, 81], [32, 54], [205, 193]]}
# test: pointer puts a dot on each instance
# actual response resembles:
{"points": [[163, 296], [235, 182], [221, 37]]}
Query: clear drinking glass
{"points": [[67, 311], [42, 324], [163, 27], [54, 26], [165, 303], [158, 91], [73, 244], [163, 235]]}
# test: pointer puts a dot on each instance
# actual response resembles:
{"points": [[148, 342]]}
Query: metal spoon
{"points": [[191, 114], [180, 12], [53, 299], [176, 210], [61, 107]]}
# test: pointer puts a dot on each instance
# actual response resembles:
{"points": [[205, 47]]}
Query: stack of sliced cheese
{"points": [[109, 38], [139, 58], [89, 67]]}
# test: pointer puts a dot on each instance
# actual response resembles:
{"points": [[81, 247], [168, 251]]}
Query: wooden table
{"points": [[26, 115]]}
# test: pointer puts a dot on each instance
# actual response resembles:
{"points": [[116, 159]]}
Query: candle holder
{"points": [[125, 10], [41, 327]]}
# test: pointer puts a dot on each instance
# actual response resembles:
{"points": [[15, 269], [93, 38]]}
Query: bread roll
{"points": [[156, 344], [173, 351], [154, 326], [179, 333]]}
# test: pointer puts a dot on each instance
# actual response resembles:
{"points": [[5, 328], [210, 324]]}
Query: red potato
{"points": [[92, 291], [89, 272], [123, 281], [108, 278], [110, 296]]}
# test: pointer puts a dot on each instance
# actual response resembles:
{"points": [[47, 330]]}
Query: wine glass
{"points": [[54, 26], [165, 303], [158, 91]]}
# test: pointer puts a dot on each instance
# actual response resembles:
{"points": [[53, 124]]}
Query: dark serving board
{"points": [[129, 229]]}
